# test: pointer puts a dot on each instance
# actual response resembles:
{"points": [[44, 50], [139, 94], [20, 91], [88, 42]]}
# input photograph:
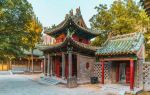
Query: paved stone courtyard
{"points": [[26, 85], [30, 85]]}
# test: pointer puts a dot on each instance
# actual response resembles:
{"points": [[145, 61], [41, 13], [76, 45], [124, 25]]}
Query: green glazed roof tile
{"points": [[129, 43]]}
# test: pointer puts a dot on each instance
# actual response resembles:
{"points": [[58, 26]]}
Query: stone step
{"points": [[51, 81]]}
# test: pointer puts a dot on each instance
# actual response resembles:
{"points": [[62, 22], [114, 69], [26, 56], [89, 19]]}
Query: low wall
{"points": [[4, 67], [25, 67]]}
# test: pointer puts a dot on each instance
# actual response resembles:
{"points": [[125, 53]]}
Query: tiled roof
{"points": [[73, 42], [76, 46], [73, 20], [36, 52], [122, 44]]}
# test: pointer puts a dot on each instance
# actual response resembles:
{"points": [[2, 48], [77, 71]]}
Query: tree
{"points": [[123, 16], [101, 21], [15, 16], [34, 35]]}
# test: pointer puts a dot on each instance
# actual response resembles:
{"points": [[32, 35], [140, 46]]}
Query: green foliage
{"points": [[123, 16], [34, 33], [15, 16]]}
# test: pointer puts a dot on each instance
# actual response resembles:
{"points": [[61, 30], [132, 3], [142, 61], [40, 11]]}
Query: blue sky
{"points": [[51, 12]]}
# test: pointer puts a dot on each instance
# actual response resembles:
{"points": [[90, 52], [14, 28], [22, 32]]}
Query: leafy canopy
{"points": [[15, 27], [123, 16]]}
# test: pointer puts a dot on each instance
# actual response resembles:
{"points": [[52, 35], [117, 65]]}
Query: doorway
{"points": [[120, 72]]}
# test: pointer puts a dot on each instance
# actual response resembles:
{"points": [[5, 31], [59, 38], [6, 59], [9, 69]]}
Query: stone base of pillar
{"points": [[72, 82], [63, 78]]}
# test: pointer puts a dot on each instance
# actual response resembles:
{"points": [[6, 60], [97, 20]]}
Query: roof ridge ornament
{"points": [[78, 12], [69, 33], [71, 12]]}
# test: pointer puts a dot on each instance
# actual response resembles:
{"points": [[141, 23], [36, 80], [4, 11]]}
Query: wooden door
{"points": [[127, 73]]}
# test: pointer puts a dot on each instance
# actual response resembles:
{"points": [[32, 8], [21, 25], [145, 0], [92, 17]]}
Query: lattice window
{"points": [[146, 75], [97, 71]]}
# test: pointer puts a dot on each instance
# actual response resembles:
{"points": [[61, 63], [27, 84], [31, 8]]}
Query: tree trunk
{"points": [[32, 61]]}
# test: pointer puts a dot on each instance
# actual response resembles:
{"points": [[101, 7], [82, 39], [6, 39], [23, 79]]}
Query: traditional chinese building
{"points": [[47, 40], [121, 59], [71, 55], [23, 63]]}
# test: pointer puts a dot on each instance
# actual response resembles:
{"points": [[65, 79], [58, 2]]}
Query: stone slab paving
{"points": [[119, 89], [23, 85], [30, 85]]}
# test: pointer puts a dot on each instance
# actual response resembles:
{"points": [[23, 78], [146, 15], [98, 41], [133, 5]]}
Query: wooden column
{"points": [[63, 65], [48, 65], [78, 66], [51, 67], [102, 62], [131, 74], [44, 65], [32, 62], [53, 63], [70, 63], [28, 64]]}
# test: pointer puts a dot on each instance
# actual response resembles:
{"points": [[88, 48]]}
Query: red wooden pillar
{"points": [[57, 63], [102, 62], [131, 74], [55, 66]]}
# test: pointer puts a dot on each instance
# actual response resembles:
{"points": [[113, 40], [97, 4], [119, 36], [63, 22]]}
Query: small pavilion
{"points": [[125, 53], [72, 54]]}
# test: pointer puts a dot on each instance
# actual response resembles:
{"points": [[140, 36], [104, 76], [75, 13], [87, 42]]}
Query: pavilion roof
{"points": [[72, 21], [69, 42], [122, 44], [36, 52]]}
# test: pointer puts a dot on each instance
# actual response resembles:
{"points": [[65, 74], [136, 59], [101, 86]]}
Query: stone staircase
{"points": [[50, 80]]}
